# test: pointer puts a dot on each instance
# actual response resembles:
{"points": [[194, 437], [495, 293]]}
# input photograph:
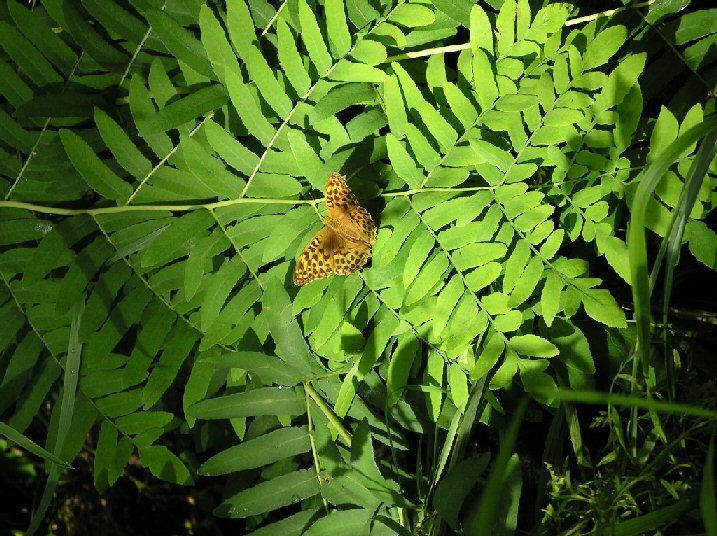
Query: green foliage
{"points": [[161, 164]]}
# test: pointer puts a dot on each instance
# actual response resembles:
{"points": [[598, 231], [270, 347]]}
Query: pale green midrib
{"points": [[46, 209]]}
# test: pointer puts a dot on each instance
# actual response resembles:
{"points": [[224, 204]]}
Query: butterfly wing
{"points": [[317, 259], [328, 253], [363, 223], [343, 246], [346, 216], [350, 257], [340, 200]]}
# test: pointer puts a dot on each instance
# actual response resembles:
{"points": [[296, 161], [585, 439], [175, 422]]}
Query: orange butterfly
{"points": [[343, 245]]}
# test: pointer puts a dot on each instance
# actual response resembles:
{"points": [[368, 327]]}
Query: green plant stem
{"points": [[466, 46], [608, 13], [314, 453], [596, 397], [60, 211], [151, 208], [330, 415]]}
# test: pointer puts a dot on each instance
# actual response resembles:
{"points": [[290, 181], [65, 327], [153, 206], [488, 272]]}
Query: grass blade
{"points": [[489, 507], [636, 234], [13, 435], [631, 401], [72, 367]]}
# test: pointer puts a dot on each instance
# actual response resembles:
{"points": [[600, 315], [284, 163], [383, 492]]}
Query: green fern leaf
{"points": [[270, 495]]}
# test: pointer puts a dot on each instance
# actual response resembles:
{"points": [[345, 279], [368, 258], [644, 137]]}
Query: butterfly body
{"points": [[343, 245]]}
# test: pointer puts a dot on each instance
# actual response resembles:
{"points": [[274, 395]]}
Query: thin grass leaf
{"points": [[449, 443], [670, 408], [24, 442], [653, 520], [67, 405], [453, 488], [485, 518], [636, 233], [672, 242]]}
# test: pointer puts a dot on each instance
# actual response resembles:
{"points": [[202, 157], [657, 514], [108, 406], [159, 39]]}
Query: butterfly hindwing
{"points": [[316, 261], [364, 224], [350, 257]]}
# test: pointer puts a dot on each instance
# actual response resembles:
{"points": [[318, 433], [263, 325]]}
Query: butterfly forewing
{"points": [[339, 197], [346, 216], [343, 246]]}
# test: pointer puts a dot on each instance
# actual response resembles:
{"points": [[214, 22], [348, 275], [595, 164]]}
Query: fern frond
{"points": [[163, 165]]}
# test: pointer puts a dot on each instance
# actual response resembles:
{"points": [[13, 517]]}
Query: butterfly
{"points": [[343, 245]]}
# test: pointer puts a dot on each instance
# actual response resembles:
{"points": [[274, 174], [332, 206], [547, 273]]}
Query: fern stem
{"points": [[137, 50], [467, 46], [59, 211], [33, 151], [314, 453], [166, 157], [330, 415], [608, 13], [414, 191], [428, 52], [28, 159], [273, 19]]}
